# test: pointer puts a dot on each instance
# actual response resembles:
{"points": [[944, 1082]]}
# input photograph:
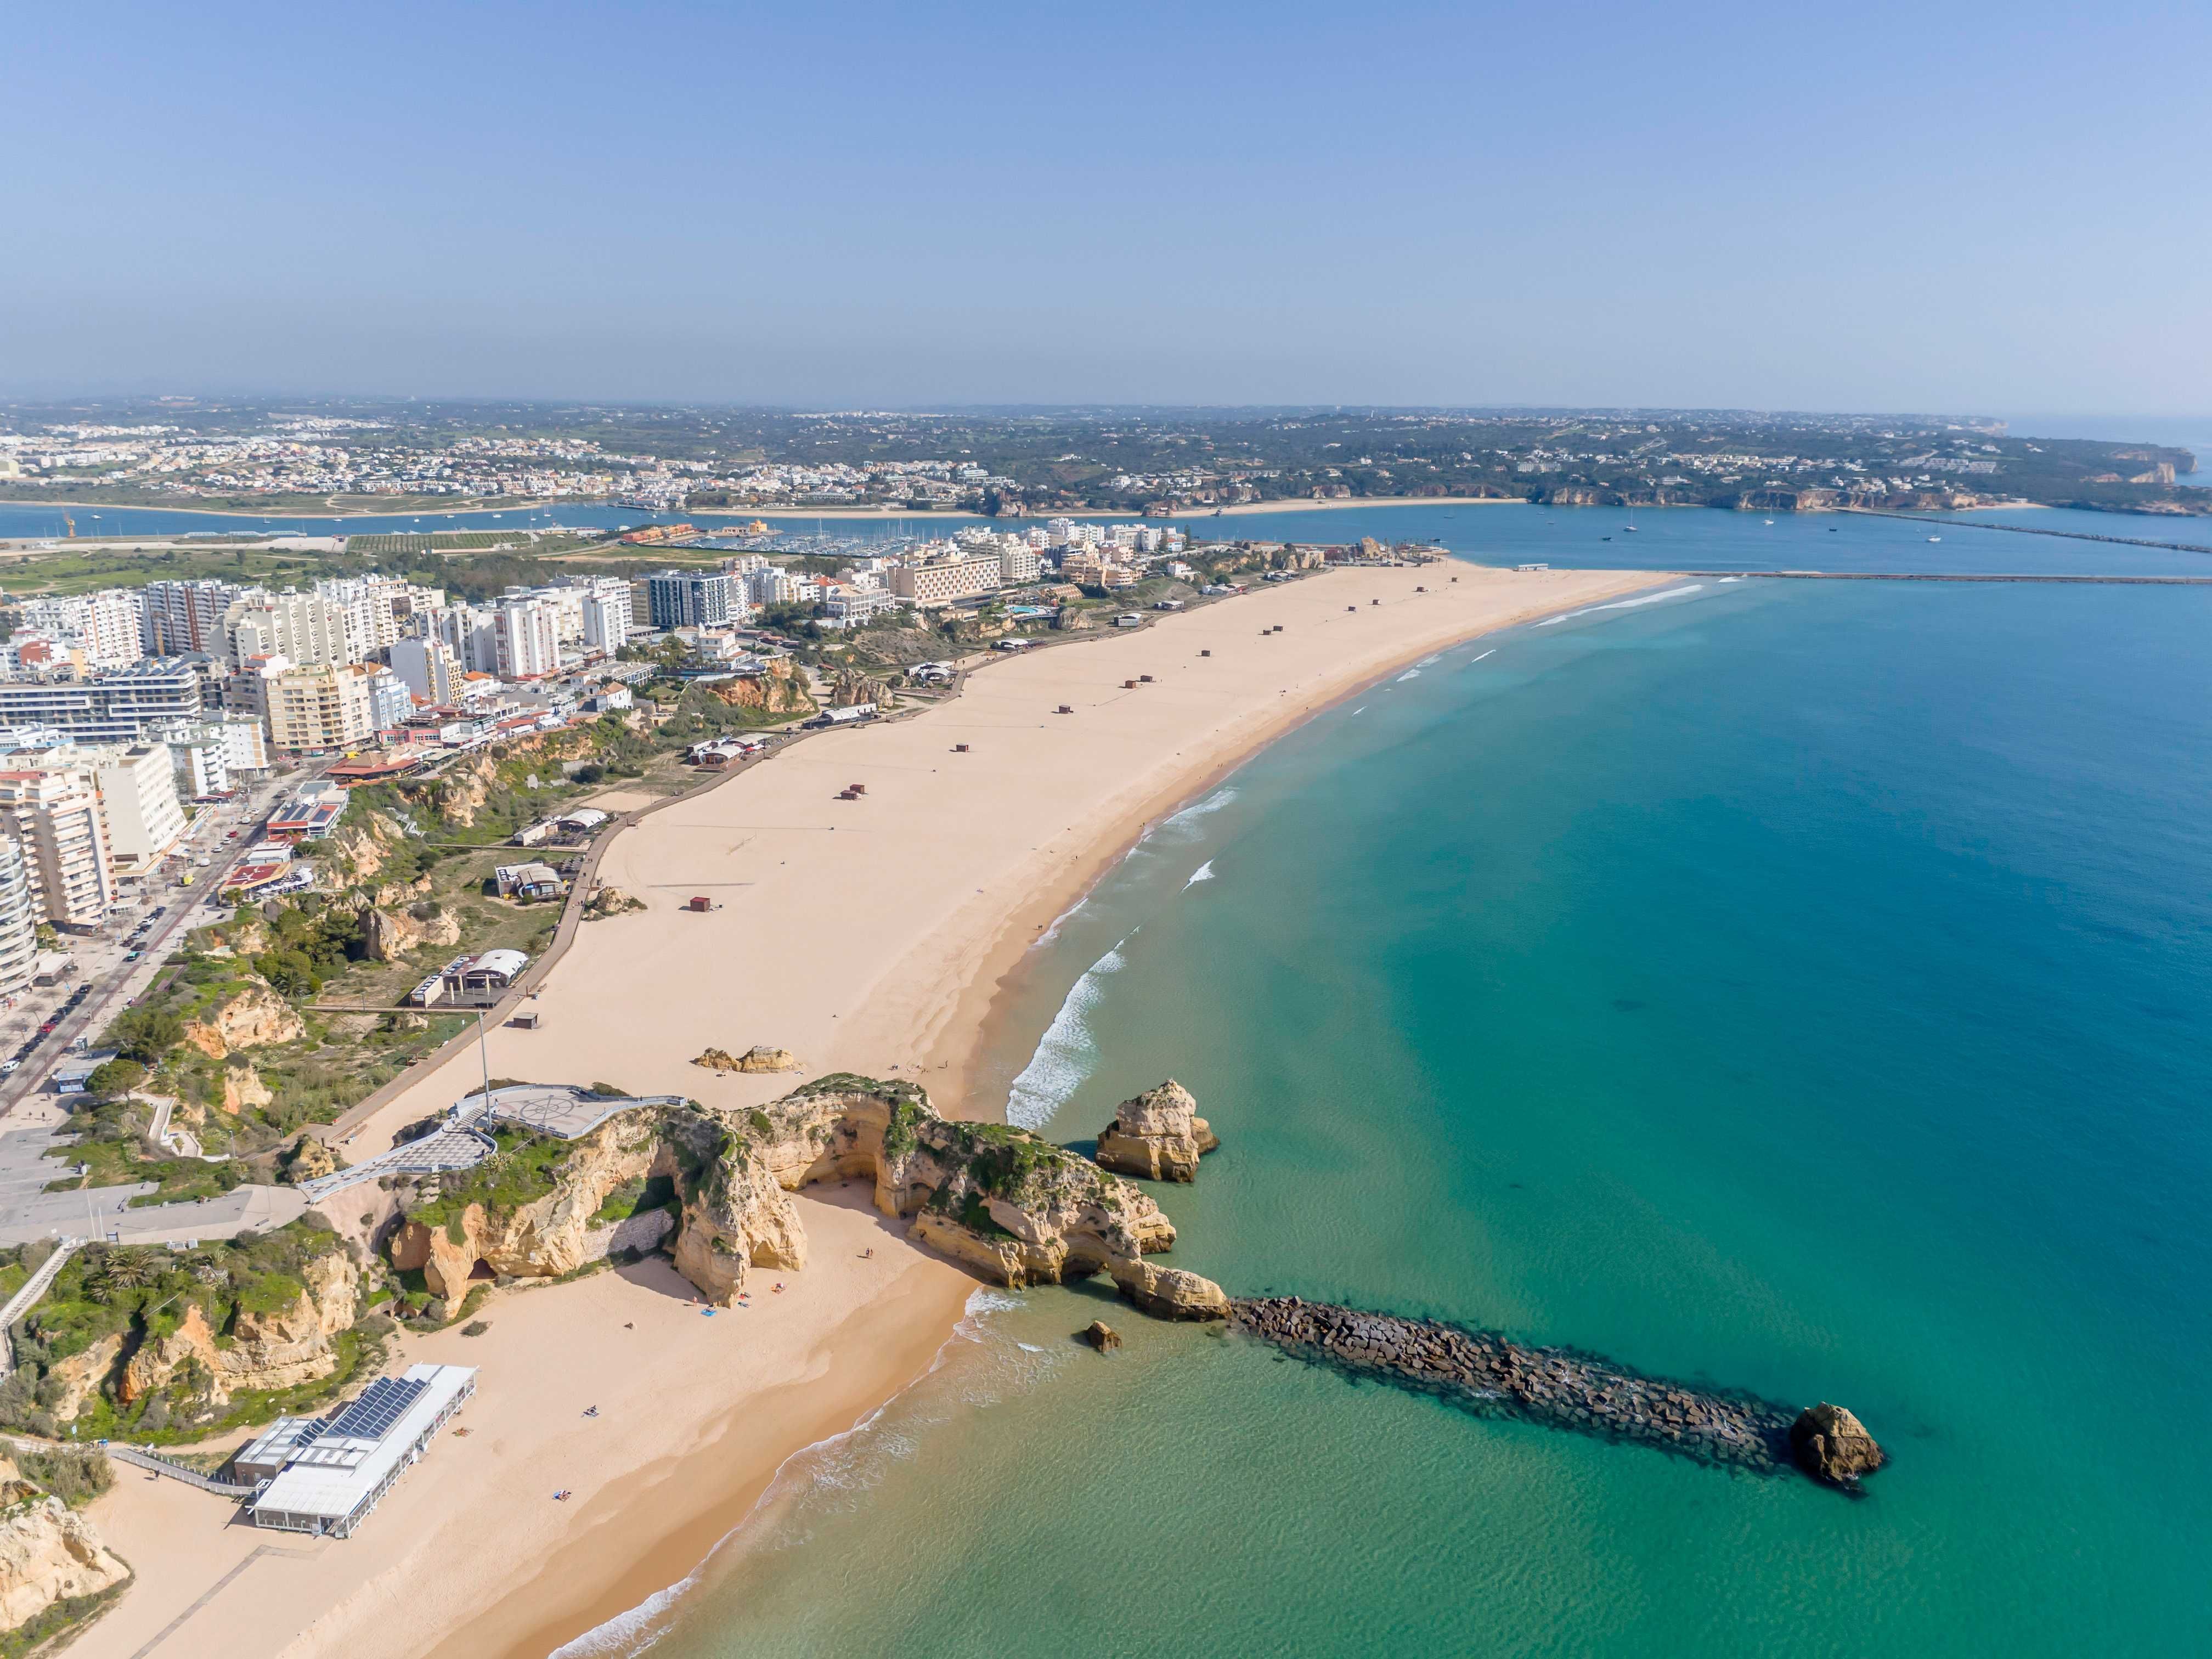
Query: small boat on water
{"points": [[1935, 539], [1770, 521]]}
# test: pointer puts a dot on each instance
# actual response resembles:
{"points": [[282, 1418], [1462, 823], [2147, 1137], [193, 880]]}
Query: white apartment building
{"points": [[138, 799], [427, 667], [376, 610], [55, 816], [1018, 561], [566, 603], [771, 585], [470, 633], [201, 750], [526, 639], [320, 706], [19, 919], [307, 628], [245, 742], [103, 626], [390, 701], [608, 613]]}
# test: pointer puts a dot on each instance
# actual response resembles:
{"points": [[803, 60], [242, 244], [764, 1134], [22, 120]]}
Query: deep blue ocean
{"points": [[1798, 986]]}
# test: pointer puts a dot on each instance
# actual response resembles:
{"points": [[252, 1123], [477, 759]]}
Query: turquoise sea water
{"points": [[1802, 987]]}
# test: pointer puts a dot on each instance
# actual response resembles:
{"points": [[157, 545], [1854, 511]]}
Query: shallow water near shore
{"points": [[1800, 988]]}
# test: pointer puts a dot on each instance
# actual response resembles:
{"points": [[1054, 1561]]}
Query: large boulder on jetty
{"points": [[1831, 1444], [1157, 1135]]}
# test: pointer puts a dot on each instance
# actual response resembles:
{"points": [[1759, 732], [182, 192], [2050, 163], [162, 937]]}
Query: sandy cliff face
{"points": [[1015, 1209], [1158, 1135], [253, 1017], [544, 1238], [276, 1349], [778, 691], [79, 1376], [48, 1552], [242, 1087], [390, 933]]}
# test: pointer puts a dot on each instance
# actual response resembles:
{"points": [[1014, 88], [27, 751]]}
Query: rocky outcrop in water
{"points": [[1831, 1444], [1101, 1336], [1482, 1373], [1157, 1135]]}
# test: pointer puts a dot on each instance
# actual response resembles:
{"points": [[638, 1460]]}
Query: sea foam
{"points": [[1065, 1056]]}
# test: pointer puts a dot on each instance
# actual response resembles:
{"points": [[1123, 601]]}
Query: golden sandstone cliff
{"points": [[1013, 1208], [511, 1217], [253, 1017], [49, 1554], [1157, 1135], [274, 1347]]}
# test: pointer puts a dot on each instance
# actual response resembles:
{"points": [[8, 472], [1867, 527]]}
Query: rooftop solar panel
{"points": [[380, 1406]]}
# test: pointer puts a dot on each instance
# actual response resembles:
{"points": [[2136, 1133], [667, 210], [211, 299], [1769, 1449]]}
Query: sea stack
{"points": [[1831, 1444], [1157, 1135]]}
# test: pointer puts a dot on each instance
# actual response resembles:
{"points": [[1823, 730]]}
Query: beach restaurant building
{"points": [[330, 1481]]}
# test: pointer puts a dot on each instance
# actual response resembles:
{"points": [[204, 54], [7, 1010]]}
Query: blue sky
{"points": [[1958, 207]]}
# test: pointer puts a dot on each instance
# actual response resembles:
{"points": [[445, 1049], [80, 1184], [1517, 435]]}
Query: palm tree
{"points": [[127, 1267]]}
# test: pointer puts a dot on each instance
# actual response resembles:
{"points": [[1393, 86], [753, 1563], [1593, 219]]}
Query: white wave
{"points": [[1621, 605], [1360, 710], [1430, 657], [1410, 674], [1029, 1347], [1065, 1055], [1214, 803], [1493, 651], [1060, 921], [986, 1300], [1204, 873]]}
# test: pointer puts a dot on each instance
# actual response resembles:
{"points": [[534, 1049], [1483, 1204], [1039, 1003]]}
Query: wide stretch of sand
{"points": [[868, 935]]}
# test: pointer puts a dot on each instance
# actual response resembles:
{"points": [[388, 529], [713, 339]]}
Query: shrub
{"points": [[144, 1034], [116, 1077]]}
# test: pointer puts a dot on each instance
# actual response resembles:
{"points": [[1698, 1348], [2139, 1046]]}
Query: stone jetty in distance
{"points": [[1485, 1373]]}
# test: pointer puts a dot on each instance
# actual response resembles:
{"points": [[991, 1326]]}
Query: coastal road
{"points": [[184, 912]]}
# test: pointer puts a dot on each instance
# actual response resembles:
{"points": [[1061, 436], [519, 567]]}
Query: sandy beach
{"points": [[869, 935]]}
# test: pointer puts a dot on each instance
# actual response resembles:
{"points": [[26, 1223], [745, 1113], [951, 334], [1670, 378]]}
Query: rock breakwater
{"points": [[1483, 1373]]}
